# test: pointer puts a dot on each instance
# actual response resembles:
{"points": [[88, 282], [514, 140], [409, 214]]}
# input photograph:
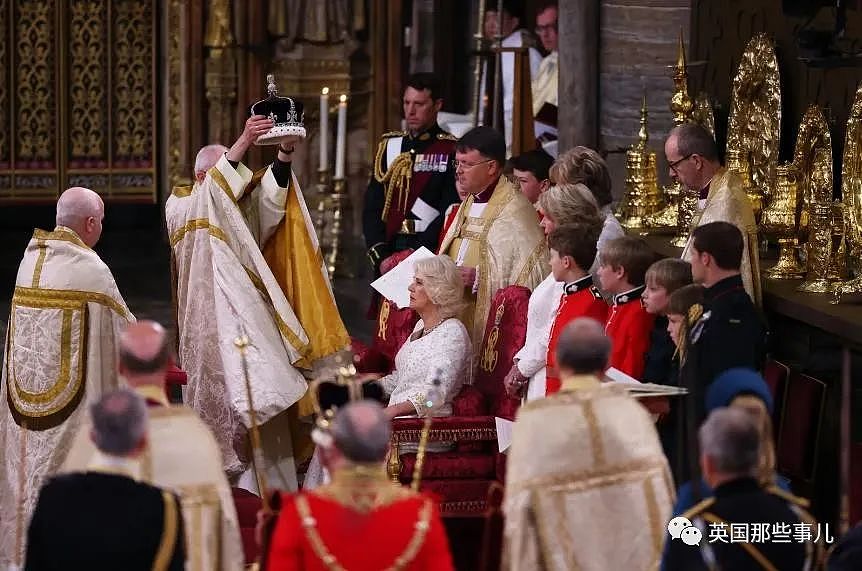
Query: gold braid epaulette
{"points": [[396, 179], [447, 137]]}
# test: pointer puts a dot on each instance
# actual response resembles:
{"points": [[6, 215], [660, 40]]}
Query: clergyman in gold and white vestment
{"points": [[727, 202], [587, 484], [59, 355], [241, 247], [693, 160], [496, 230]]}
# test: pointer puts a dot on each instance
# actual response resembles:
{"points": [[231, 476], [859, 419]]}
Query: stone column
{"points": [[579, 73]]}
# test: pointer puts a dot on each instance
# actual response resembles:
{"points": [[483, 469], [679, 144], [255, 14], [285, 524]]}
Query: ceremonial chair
{"points": [[393, 328], [461, 478], [776, 375], [798, 439]]}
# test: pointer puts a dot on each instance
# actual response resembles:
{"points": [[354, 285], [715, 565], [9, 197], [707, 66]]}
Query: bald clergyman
{"points": [[60, 355], [247, 259]]}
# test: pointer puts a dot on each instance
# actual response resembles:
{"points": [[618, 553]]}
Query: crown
{"points": [[335, 388], [287, 113]]}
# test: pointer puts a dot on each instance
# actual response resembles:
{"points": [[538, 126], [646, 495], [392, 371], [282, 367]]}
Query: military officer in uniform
{"points": [[414, 180], [744, 525]]}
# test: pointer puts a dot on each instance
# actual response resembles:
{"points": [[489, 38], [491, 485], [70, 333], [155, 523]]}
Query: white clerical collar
{"points": [[108, 464]]}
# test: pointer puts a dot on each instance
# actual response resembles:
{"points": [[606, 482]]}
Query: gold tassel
{"points": [[397, 182]]}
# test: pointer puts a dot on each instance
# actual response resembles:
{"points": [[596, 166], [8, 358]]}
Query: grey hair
{"points": [[443, 284], [584, 348], [75, 205], [692, 139], [361, 432], [730, 437], [208, 156], [119, 422], [570, 203]]}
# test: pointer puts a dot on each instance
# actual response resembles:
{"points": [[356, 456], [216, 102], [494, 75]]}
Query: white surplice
{"points": [[533, 356], [60, 356], [225, 286]]}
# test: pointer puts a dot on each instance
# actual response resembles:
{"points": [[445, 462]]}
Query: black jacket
{"points": [[744, 502], [94, 520]]}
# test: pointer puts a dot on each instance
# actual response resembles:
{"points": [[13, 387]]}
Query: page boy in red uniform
{"points": [[573, 249]]}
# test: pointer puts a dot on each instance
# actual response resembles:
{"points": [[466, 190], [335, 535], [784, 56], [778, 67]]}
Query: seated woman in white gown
{"points": [[438, 349], [433, 361]]}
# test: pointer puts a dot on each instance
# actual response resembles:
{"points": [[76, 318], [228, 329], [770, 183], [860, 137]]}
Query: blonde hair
{"points": [[570, 204], [443, 284], [584, 165], [669, 273], [757, 408]]}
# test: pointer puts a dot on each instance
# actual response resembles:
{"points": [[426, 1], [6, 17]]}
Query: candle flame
{"points": [[324, 91], [343, 98]]}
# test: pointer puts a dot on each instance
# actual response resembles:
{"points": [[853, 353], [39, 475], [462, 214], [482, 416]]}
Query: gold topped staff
{"points": [[242, 343], [432, 403]]}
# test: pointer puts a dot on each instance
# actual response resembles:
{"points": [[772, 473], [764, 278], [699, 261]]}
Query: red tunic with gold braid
{"points": [[629, 327], [359, 522], [580, 299]]}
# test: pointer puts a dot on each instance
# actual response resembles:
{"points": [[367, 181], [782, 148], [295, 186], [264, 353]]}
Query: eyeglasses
{"points": [[675, 164], [467, 166]]}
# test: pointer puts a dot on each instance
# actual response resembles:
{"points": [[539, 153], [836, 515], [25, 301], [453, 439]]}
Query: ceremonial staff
{"points": [[242, 343], [432, 403]]}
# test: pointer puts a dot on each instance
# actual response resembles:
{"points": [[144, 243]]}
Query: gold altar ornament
{"points": [[779, 222], [642, 195], [736, 160], [812, 158], [851, 197], [668, 218], [702, 114], [337, 263], [819, 249], [754, 124]]}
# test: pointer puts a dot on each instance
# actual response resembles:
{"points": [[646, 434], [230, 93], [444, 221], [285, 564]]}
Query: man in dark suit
{"points": [[103, 518], [744, 525]]}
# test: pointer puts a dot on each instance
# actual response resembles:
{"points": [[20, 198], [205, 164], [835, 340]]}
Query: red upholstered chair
{"points": [[462, 477], [798, 439], [776, 375], [247, 506], [393, 328]]}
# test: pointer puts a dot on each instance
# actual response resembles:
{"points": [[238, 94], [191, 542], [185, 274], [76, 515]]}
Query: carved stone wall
{"points": [[638, 43]]}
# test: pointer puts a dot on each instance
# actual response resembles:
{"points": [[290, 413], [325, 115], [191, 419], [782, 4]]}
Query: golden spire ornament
{"points": [[642, 196]]}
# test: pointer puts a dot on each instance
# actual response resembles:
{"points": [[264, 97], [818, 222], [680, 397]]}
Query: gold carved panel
{"points": [[77, 98]]}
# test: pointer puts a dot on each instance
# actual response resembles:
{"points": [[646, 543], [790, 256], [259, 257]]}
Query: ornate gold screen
{"points": [[78, 98]]}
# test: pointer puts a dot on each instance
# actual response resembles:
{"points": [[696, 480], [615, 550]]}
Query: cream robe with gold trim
{"points": [[727, 202], [507, 247], [182, 456], [224, 285], [587, 484], [60, 355]]}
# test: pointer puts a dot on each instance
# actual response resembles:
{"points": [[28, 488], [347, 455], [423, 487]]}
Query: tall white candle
{"points": [[341, 139], [324, 128]]}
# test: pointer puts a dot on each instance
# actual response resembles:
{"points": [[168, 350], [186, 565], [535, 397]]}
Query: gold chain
{"points": [[309, 524]]}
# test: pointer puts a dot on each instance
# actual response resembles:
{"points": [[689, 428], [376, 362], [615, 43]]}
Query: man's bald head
{"points": [[207, 158], [82, 210], [144, 349], [361, 432], [584, 348]]}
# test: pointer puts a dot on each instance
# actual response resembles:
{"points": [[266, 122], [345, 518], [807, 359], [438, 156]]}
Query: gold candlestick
{"points": [[336, 260], [318, 219]]}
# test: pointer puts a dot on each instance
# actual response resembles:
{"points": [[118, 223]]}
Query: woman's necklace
{"points": [[427, 330]]}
